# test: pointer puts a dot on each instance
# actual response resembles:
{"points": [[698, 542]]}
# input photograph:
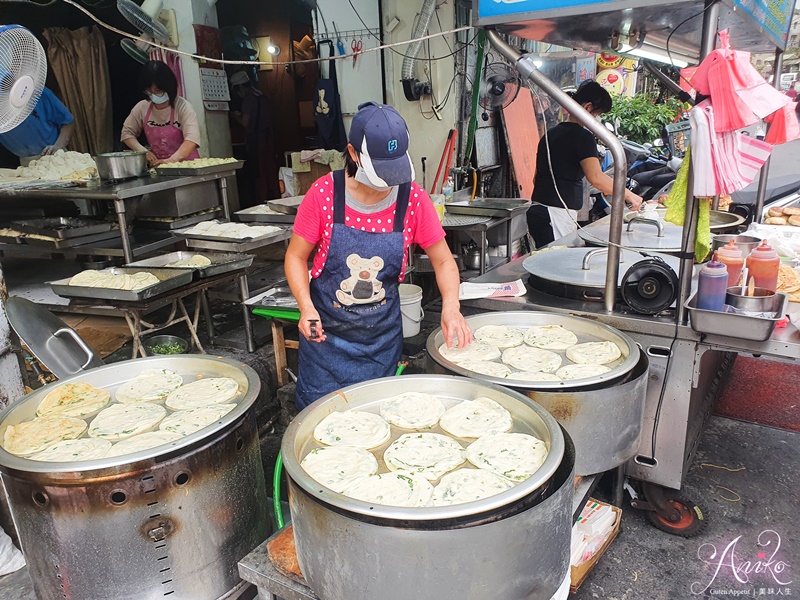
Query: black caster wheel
{"points": [[689, 519]]}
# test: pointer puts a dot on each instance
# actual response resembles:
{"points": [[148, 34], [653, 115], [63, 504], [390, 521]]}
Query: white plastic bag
{"points": [[10, 558]]}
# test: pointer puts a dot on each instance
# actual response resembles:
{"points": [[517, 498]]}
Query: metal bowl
{"points": [[762, 300], [121, 165], [528, 416], [746, 243], [586, 330], [160, 340]]}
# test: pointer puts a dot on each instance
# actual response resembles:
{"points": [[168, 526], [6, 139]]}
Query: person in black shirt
{"points": [[573, 156]]}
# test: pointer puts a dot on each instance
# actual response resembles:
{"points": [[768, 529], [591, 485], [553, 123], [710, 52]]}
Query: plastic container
{"points": [[732, 257], [438, 203], [447, 189], [763, 265], [712, 286], [411, 308]]}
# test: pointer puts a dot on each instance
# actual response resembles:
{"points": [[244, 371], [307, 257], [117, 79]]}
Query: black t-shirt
{"points": [[569, 144]]}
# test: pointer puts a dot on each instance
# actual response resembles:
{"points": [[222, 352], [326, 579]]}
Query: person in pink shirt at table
{"points": [[168, 121]]}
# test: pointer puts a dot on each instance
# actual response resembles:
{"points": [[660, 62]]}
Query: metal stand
{"points": [[222, 182], [139, 327]]}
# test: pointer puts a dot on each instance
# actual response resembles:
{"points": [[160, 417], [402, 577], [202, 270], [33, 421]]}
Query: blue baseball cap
{"points": [[380, 136]]}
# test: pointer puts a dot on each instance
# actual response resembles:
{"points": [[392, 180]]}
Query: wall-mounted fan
{"points": [[150, 20], [23, 70], [137, 50], [499, 87]]}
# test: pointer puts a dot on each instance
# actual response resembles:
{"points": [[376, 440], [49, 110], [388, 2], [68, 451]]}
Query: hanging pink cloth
{"points": [[783, 125]]}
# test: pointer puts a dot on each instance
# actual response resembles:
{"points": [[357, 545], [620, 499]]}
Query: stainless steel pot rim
{"points": [[519, 318], [9, 462], [122, 154], [430, 513]]}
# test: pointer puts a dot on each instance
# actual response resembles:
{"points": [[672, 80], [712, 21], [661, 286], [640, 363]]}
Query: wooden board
{"points": [[522, 135], [283, 554]]}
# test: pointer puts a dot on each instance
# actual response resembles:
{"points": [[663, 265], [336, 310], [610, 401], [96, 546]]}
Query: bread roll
{"points": [[775, 212], [791, 210], [776, 221], [794, 220]]}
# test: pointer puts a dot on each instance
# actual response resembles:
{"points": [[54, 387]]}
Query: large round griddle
{"points": [[720, 220], [642, 235]]}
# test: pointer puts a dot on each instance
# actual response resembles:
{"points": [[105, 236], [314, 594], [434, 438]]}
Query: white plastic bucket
{"points": [[411, 308]]}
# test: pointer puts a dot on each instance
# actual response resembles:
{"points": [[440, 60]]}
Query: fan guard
{"points": [[650, 286], [136, 50], [143, 18], [23, 70], [500, 86]]}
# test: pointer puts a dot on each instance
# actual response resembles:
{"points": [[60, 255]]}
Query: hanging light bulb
{"points": [[273, 49]]}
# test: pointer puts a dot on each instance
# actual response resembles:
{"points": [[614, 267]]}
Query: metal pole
{"points": [[763, 177], [527, 69], [673, 87], [707, 44]]}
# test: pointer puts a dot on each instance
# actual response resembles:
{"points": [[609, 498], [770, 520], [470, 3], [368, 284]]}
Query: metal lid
{"points": [[57, 346], [528, 416], [586, 330], [565, 265], [642, 236], [110, 377]]}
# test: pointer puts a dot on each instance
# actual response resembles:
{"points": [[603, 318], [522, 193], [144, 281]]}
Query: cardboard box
{"points": [[579, 574]]}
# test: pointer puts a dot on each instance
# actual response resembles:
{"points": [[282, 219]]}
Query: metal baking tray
{"points": [[251, 215], [280, 296], [488, 207], [177, 222], [225, 245], [189, 171], [12, 239], [75, 241], [169, 279], [731, 325], [220, 262], [586, 330], [287, 206], [260, 240], [62, 227]]}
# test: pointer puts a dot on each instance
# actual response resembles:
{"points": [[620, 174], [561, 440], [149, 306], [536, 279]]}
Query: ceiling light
{"points": [[658, 55], [273, 49]]}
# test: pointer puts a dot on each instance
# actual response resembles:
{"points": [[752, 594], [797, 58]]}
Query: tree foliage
{"points": [[640, 119]]}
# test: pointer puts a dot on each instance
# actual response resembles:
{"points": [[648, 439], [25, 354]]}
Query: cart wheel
{"points": [[691, 523]]}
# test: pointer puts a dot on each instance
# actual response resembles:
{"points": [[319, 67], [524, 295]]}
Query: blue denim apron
{"points": [[358, 301]]}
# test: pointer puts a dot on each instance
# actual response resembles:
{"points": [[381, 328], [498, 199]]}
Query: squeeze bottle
{"points": [[731, 256], [763, 265], [447, 189], [712, 285]]}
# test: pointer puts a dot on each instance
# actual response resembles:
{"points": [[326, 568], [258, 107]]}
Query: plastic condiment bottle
{"points": [[731, 256], [712, 285], [763, 265]]}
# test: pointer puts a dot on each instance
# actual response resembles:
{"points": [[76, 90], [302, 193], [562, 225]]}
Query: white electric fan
{"points": [[23, 70], [145, 18], [137, 50]]}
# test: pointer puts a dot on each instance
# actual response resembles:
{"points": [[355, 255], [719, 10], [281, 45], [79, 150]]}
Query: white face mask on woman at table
{"points": [[159, 98], [361, 177]]}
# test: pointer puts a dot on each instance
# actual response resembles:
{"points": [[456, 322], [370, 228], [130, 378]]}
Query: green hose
{"points": [[276, 477]]}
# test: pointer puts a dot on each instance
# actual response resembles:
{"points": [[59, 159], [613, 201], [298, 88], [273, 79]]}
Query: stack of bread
{"points": [[789, 215]]}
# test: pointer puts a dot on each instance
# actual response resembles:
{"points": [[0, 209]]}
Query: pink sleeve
{"points": [[427, 228], [308, 223]]}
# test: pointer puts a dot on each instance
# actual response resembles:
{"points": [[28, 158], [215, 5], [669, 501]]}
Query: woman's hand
{"points": [[308, 318], [634, 200], [152, 160], [455, 328]]}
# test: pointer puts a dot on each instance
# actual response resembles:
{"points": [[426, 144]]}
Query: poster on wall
{"points": [[616, 74], [585, 69]]}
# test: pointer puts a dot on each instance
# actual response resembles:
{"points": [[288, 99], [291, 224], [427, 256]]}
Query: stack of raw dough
{"points": [[66, 165], [197, 163], [155, 398], [114, 281], [194, 262], [413, 460], [533, 354], [237, 231]]}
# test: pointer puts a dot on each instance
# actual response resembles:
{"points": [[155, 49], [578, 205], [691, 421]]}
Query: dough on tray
{"points": [[468, 485], [121, 421], [73, 400], [151, 385], [477, 350], [412, 410], [485, 367], [143, 441], [577, 371], [74, 450], [186, 422], [428, 454], [34, 436], [594, 353], [534, 376], [515, 456], [500, 336], [338, 467], [476, 418], [392, 489], [352, 428], [525, 358], [550, 337], [195, 262], [203, 392]]}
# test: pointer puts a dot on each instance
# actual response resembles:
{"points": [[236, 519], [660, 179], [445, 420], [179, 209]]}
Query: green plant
{"points": [[640, 119]]}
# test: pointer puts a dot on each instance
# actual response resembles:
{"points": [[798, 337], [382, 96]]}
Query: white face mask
{"points": [[361, 177], [159, 98]]}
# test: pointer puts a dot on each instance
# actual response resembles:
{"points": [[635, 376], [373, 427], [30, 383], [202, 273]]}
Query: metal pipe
{"points": [[763, 177], [673, 87], [707, 45], [528, 70]]}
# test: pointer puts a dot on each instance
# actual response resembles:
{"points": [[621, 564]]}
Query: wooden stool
{"points": [[281, 344]]}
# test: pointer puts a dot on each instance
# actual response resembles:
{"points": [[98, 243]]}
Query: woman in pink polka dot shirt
{"points": [[359, 223]]}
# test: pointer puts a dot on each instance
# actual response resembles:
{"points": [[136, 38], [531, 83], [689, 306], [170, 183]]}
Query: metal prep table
{"points": [[123, 195]]}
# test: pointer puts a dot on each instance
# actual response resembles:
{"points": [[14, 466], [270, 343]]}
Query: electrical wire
{"points": [[678, 26], [223, 61]]}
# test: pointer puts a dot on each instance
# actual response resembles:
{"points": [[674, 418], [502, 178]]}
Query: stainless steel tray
{"points": [[176, 222], [586, 330], [216, 238], [488, 207], [250, 215], [287, 206], [234, 244], [643, 236], [62, 227], [75, 241], [169, 279], [732, 325], [189, 171], [220, 262]]}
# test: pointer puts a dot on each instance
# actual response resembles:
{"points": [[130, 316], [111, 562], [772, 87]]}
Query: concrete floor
{"points": [[644, 563]]}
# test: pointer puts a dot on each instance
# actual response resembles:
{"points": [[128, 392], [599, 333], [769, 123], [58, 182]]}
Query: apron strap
{"points": [[401, 205]]}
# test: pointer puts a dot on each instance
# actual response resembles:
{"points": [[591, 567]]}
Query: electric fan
{"points": [[137, 50], [650, 286], [145, 18], [499, 87], [23, 70]]}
